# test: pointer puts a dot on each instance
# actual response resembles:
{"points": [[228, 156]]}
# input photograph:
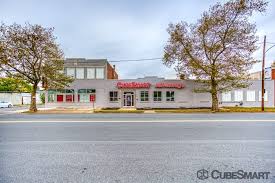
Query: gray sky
{"points": [[121, 29]]}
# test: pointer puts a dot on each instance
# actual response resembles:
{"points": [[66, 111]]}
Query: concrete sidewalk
{"points": [[55, 110], [20, 109]]}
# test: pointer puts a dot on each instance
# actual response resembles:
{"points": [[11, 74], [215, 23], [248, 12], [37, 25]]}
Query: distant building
{"points": [[269, 73]]}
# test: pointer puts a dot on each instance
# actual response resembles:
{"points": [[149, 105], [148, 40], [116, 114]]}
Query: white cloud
{"points": [[121, 29]]}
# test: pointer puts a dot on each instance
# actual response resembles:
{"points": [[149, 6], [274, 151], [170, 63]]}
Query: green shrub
{"points": [[42, 98], [117, 111]]}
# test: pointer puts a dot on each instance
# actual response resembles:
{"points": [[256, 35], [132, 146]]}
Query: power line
{"points": [[138, 60], [157, 58], [266, 43]]}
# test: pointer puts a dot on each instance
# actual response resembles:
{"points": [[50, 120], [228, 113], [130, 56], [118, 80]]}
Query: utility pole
{"points": [[263, 73]]}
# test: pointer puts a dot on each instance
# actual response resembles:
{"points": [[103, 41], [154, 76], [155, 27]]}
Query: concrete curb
{"points": [[26, 110]]}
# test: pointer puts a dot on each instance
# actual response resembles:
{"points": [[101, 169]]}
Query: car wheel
{"points": [[9, 106]]}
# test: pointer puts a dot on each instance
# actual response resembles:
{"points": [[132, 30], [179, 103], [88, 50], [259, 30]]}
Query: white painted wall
{"points": [[19, 98]]}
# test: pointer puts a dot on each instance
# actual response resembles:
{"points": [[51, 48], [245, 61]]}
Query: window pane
{"points": [[90, 90], [61, 91], [69, 98], [92, 97], [250, 96], [113, 96], [71, 72], [144, 96], [167, 94], [90, 73], [226, 97], [99, 73], [51, 91], [157, 95], [238, 95], [51, 97], [69, 91], [82, 91], [83, 97], [59, 98], [80, 73], [170, 96]]}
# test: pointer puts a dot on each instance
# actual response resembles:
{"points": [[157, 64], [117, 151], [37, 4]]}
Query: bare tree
{"points": [[216, 50], [30, 53]]}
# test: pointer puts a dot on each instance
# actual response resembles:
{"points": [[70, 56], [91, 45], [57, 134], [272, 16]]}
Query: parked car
{"points": [[5, 104]]}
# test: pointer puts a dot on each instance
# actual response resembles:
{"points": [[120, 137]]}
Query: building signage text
{"points": [[169, 85], [133, 85], [147, 85]]}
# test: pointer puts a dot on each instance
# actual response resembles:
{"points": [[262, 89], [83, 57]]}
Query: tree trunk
{"points": [[215, 100], [33, 107]]}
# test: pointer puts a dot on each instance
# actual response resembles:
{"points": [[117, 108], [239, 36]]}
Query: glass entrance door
{"points": [[128, 99]]}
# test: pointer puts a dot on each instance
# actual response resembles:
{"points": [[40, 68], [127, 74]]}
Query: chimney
{"points": [[114, 71]]}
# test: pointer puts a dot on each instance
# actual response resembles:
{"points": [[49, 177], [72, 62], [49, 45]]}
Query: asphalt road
{"points": [[45, 148]]}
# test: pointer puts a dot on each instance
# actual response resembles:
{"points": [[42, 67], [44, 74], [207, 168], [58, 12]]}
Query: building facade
{"points": [[97, 85]]}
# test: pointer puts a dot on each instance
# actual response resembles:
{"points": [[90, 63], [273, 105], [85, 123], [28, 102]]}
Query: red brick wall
{"points": [[111, 73], [273, 74]]}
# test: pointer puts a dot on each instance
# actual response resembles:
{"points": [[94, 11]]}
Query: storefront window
{"points": [[51, 95], [99, 73], [170, 96], [90, 73], [144, 96], [86, 95], [83, 97], [59, 98], [226, 97], [69, 91], [61, 95], [157, 96], [79, 73], [69, 95], [238, 95], [90, 90], [69, 98], [113, 96], [71, 72]]}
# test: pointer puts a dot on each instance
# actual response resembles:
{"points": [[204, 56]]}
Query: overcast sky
{"points": [[121, 29]]}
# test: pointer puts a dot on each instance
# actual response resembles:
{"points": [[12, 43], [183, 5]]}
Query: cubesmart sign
{"points": [[133, 85], [169, 85]]}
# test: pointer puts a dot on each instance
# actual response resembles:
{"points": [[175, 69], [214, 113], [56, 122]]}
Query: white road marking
{"points": [[139, 121], [7, 113], [142, 142]]}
